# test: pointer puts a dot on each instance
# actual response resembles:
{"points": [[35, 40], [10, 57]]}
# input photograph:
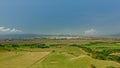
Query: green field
{"points": [[60, 54]]}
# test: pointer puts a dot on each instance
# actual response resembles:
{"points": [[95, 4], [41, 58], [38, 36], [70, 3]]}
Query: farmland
{"points": [[60, 54]]}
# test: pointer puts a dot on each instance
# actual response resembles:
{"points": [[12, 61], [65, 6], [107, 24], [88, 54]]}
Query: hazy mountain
{"points": [[21, 36], [116, 34], [17, 36]]}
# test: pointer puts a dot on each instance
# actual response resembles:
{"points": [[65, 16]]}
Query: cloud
{"points": [[90, 32], [3, 29], [9, 30], [15, 30]]}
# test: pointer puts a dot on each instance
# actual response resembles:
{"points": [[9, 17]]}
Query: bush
{"points": [[98, 56], [92, 66], [53, 50], [14, 45], [114, 58], [110, 67], [42, 46]]}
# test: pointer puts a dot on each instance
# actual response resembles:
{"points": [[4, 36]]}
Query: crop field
{"points": [[20, 59], [60, 54]]}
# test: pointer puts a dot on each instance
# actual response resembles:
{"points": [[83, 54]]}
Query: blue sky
{"points": [[76, 17]]}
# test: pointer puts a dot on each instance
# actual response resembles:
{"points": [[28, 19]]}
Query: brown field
{"points": [[20, 59]]}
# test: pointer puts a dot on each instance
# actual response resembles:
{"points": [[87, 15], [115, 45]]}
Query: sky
{"points": [[55, 17]]}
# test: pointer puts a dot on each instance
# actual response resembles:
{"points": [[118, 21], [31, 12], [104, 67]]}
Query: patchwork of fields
{"points": [[52, 55]]}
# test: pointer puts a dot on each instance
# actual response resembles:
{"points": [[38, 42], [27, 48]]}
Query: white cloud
{"points": [[15, 30], [90, 32], [3, 29], [9, 30]]}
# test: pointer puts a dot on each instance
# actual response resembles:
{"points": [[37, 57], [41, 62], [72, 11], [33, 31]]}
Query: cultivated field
{"points": [[20, 59]]}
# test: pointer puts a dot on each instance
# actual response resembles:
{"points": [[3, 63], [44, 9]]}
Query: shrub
{"points": [[14, 45], [110, 67], [42, 46], [92, 66]]}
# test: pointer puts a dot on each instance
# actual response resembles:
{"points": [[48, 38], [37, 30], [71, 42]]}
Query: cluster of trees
{"points": [[102, 55], [36, 45], [95, 43], [25, 46], [105, 55]]}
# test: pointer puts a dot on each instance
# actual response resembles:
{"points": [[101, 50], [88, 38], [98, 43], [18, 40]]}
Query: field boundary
{"points": [[39, 60]]}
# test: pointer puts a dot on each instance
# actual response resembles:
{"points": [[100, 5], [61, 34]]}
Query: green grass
{"points": [[64, 61], [60, 54], [104, 46]]}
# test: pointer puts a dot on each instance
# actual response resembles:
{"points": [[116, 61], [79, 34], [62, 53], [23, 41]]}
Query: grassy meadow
{"points": [[59, 54]]}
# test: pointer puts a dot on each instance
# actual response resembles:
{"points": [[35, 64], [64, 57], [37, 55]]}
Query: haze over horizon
{"points": [[73, 17]]}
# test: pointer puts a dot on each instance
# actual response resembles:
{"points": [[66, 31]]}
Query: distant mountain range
{"points": [[21, 36], [18, 36], [115, 34]]}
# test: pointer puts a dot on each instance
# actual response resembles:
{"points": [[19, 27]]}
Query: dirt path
{"points": [[81, 56], [39, 60]]}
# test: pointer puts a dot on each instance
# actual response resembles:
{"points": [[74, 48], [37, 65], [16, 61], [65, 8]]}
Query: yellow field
{"points": [[20, 59]]}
